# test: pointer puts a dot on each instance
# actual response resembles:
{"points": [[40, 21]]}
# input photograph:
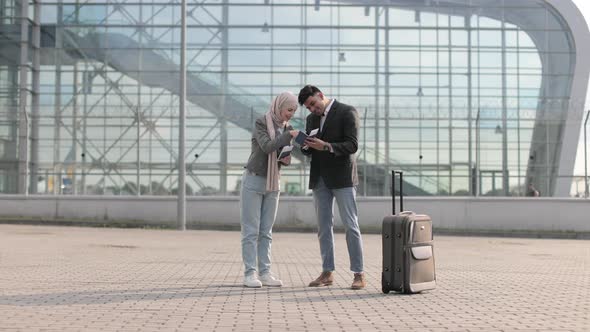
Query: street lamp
{"points": [[586, 194], [365, 189], [476, 184], [181, 196]]}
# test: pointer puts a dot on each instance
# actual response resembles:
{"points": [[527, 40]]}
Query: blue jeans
{"points": [[258, 209], [324, 207]]}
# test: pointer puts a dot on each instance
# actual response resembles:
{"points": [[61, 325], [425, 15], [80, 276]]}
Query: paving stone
{"points": [[71, 279]]}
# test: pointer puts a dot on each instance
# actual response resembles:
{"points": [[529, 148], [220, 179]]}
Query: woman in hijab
{"points": [[259, 196]]}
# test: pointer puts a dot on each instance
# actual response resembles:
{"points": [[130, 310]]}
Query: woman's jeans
{"points": [[258, 209]]}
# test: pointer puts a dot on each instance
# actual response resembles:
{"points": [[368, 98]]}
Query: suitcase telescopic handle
{"points": [[401, 193]]}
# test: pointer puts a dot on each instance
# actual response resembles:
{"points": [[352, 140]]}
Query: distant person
{"points": [[259, 194], [532, 191], [333, 175]]}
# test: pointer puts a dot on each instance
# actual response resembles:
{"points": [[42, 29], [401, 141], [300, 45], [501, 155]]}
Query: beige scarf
{"points": [[273, 118]]}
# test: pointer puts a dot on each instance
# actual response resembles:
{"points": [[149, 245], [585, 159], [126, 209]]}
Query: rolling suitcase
{"points": [[408, 255]]}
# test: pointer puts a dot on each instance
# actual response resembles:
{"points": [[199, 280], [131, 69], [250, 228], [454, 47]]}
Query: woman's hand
{"points": [[286, 161], [294, 133]]}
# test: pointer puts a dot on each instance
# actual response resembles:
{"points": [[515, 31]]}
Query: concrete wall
{"points": [[502, 215]]}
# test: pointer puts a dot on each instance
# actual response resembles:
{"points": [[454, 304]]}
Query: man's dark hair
{"points": [[306, 92]]}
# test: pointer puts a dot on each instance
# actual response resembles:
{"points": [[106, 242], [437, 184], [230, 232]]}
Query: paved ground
{"points": [[66, 279]]}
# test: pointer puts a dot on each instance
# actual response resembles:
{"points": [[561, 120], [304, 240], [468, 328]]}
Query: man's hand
{"points": [[315, 143], [286, 161]]}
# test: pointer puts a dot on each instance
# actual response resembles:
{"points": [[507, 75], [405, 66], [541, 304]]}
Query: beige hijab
{"points": [[273, 118]]}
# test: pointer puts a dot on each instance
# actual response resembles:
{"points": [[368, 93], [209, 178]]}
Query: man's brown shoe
{"points": [[325, 279], [359, 281]]}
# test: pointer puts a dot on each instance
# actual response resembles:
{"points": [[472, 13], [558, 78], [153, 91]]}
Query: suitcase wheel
{"points": [[384, 285]]}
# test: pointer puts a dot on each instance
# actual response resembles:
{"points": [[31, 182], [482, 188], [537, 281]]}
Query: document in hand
{"points": [[285, 151], [300, 139]]}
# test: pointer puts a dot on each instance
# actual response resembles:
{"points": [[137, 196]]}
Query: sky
{"points": [[584, 7]]}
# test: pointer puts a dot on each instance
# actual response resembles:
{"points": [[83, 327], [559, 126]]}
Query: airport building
{"points": [[467, 97]]}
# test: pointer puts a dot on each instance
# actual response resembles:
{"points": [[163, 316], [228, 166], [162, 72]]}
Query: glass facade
{"points": [[456, 93]]}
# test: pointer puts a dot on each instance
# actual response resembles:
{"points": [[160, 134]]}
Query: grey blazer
{"points": [[262, 145]]}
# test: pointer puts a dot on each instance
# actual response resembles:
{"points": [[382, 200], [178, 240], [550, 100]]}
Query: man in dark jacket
{"points": [[333, 175]]}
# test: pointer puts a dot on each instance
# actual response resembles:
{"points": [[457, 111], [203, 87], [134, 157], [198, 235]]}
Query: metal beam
{"points": [[223, 101], [36, 44], [23, 119], [505, 174], [469, 107], [387, 105]]}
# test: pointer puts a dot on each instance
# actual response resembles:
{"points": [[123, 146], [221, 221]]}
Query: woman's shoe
{"points": [[252, 281], [269, 280]]}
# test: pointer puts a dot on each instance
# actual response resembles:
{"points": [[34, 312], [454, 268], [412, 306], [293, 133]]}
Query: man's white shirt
{"points": [[323, 119]]}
